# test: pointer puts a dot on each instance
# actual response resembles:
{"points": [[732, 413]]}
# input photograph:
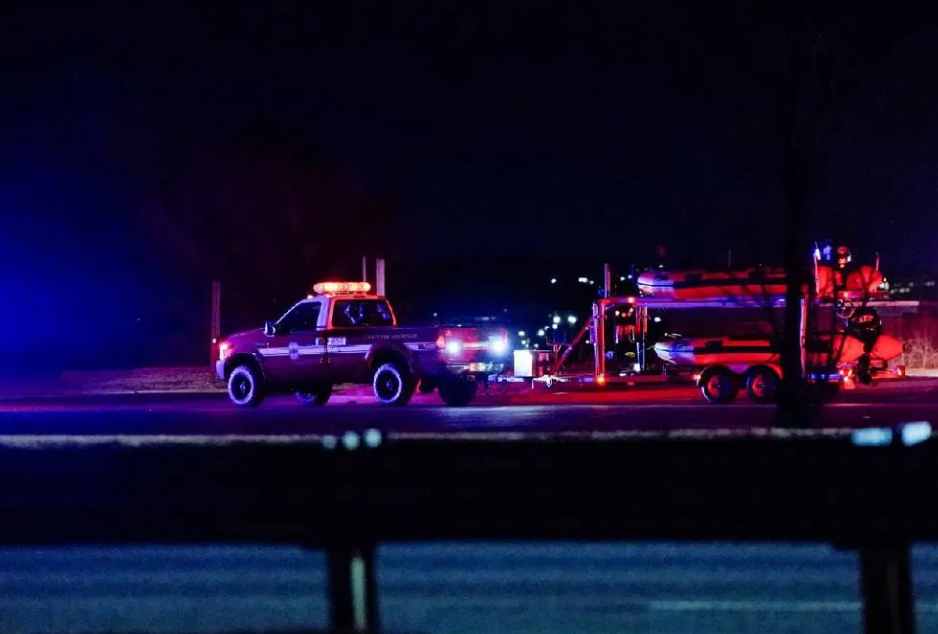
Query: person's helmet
{"points": [[843, 256]]}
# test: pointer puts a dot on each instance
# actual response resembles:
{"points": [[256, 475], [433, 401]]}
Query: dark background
{"points": [[482, 150]]}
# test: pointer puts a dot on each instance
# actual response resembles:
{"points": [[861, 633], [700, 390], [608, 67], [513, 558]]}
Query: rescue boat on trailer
{"points": [[704, 284], [755, 282], [739, 353], [723, 363], [736, 353]]}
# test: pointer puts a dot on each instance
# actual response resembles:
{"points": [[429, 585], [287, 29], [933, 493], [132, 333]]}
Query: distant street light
{"points": [[553, 280], [556, 319], [540, 332], [582, 280], [571, 319], [521, 333]]}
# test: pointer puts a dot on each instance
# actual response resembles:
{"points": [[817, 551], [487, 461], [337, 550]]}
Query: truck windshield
{"points": [[362, 312], [301, 318]]}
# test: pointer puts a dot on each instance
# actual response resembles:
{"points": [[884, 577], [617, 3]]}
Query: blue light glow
{"points": [[872, 437], [372, 438], [915, 433], [350, 440]]}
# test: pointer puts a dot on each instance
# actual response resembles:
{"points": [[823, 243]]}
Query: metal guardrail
{"points": [[868, 490]]}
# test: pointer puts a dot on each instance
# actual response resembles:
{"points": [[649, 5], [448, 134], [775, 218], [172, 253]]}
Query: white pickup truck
{"points": [[344, 334]]}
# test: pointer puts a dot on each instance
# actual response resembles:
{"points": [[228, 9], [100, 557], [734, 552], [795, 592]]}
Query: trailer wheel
{"points": [[762, 385], [718, 385], [458, 392]]}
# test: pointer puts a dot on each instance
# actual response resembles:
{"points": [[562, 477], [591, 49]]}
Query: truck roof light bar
{"points": [[336, 288]]}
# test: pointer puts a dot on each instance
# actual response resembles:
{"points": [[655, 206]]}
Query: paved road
{"points": [[451, 588], [552, 588], [520, 410]]}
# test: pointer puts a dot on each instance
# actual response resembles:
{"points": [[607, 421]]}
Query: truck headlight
{"points": [[224, 349], [498, 346], [453, 347]]}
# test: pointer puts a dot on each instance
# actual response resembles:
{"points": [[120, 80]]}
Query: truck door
{"points": [[296, 354], [357, 325]]}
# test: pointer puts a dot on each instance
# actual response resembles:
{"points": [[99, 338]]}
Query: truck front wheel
{"points": [[245, 388], [393, 384], [457, 392]]}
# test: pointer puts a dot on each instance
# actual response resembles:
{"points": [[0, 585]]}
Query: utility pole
{"points": [[607, 280], [215, 324], [804, 103], [364, 268], [379, 277]]}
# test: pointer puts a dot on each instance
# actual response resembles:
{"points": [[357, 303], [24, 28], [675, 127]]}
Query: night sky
{"points": [[148, 151]]}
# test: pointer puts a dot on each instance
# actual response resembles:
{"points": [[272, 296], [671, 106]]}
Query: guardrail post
{"points": [[888, 605], [353, 598]]}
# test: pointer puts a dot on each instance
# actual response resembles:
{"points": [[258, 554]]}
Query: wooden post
{"points": [[379, 277], [215, 326], [353, 598], [888, 605]]}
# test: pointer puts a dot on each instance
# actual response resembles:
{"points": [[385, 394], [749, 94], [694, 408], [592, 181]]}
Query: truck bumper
{"points": [[476, 367], [433, 364]]}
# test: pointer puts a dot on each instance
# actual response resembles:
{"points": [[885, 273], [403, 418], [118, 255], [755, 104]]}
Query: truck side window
{"points": [[303, 318], [361, 312]]}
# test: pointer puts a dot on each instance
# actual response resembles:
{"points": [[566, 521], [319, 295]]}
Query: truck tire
{"points": [[393, 384], [718, 385], [762, 385], [316, 395], [245, 386], [458, 392]]}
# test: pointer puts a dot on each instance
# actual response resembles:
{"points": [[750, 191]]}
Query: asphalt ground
{"points": [[445, 587], [516, 409], [452, 588]]}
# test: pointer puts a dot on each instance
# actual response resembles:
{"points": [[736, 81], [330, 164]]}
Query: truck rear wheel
{"points": [[458, 392], [393, 384], [317, 395], [245, 387], [718, 385]]}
